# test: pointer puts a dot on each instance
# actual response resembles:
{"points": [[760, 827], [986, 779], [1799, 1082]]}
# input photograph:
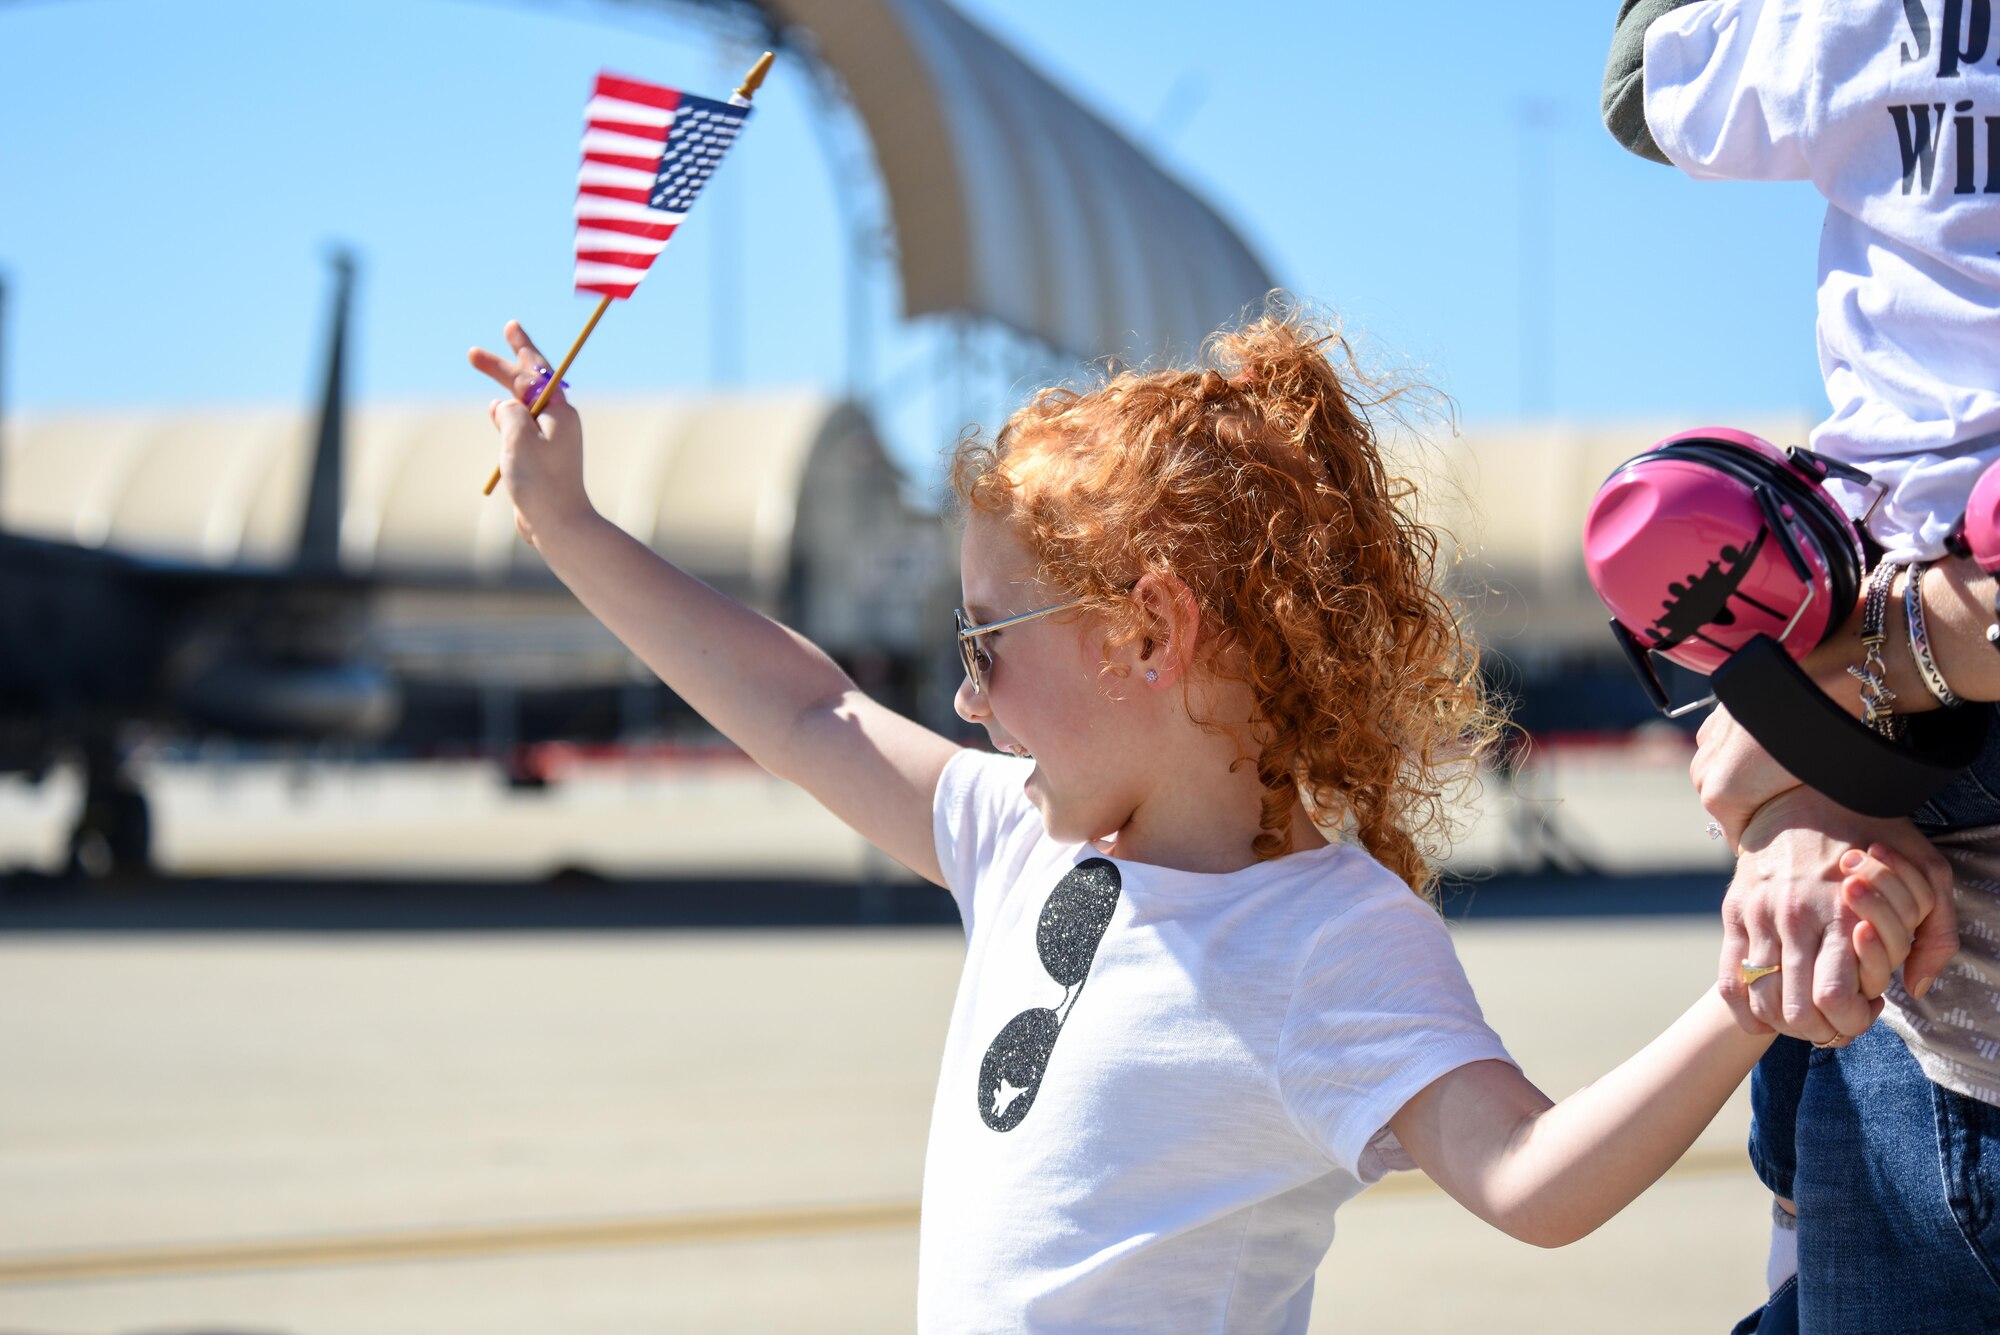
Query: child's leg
{"points": [[1775, 1089], [1887, 911], [1783, 1261]]}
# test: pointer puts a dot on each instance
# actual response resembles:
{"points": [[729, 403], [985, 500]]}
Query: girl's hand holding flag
{"points": [[541, 458], [647, 152]]}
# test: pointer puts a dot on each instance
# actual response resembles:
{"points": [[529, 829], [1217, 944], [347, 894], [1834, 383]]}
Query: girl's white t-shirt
{"points": [[1159, 1085], [1896, 121]]}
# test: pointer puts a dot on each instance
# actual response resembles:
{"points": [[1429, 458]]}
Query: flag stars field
{"points": [[647, 152]]}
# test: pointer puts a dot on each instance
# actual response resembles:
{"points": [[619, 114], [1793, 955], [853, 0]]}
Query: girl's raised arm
{"points": [[768, 689]]}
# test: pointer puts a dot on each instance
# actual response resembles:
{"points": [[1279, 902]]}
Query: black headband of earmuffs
{"points": [[1830, 749]]}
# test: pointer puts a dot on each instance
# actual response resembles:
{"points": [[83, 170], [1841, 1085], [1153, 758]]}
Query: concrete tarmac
{"points": [[372, 1133]]}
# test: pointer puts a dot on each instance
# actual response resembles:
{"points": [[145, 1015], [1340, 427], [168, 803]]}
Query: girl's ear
{"points": [[1173, 628]]}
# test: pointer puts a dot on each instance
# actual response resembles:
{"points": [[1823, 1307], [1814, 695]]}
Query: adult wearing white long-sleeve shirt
{"points": [[1891, 110]]}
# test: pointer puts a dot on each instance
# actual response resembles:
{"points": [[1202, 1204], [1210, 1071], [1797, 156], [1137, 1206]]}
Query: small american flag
{"points": [[647, 152]]}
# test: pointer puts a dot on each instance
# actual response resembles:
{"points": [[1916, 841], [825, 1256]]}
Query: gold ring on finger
{"points": [[1750, 973]]}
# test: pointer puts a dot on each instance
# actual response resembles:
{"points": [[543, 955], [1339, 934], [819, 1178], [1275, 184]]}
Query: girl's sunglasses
{"points": [[977, 661]]}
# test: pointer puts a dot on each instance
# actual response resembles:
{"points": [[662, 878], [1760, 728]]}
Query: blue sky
{"points": [[170, 176]]}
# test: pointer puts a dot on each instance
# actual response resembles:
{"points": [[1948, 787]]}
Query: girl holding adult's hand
{"points": [[1802, 862]]}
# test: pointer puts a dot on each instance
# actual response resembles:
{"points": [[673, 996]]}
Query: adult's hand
{"points": [[1803, 858], [1733, 774]]}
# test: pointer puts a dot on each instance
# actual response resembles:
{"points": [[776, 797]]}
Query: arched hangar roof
{"points": [[714, 483], [1015, 202]]}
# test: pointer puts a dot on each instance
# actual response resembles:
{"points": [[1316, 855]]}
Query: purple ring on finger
{"points": [[534, 391]]}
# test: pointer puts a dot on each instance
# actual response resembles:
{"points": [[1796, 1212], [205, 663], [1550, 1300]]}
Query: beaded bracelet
{"points": [[1920, 639], [1878, 702]]}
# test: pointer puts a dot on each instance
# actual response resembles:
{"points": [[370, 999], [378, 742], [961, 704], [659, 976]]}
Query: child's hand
{"points": [[541, 459], [1891, 899]]}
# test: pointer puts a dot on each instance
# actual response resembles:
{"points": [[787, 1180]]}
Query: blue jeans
{"points": [[1897, 1180]]}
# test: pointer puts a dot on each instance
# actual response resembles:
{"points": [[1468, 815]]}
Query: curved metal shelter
{"points": [[784, 499], [216, 487], [1012, 201]]}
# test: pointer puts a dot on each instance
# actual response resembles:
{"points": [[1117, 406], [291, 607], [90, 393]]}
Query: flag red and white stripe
{"points": [[620, 226]]}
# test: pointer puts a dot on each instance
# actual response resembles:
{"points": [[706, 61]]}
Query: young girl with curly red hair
{"points": [[1205, 998]]}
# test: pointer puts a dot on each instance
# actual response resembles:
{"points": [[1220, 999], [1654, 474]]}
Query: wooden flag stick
{"points": [[744, 92], [542, 399], [755, 78]]}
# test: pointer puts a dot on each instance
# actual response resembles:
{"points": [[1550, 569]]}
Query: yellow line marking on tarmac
{"points": [[514, 1240], [454, 1243]]}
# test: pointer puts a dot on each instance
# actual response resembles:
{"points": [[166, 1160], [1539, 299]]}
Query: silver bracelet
{"points": [[1920, 639], [1878, 702]]}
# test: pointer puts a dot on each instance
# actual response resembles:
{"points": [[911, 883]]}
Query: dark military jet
{"points": [[98, 648]]}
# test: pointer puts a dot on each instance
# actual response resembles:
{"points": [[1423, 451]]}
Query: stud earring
{"points": [[1152, 675]]}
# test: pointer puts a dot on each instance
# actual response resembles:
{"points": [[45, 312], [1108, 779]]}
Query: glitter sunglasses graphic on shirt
{"points": [[1072, 924]]}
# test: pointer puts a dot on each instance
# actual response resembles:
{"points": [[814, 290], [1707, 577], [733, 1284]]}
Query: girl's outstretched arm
{"points": [[768, 689], [1550, 1173]]}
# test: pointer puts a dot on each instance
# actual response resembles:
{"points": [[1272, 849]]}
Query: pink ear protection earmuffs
{"points": [[1978, 534], [1713, 537], [1722, 553]]}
